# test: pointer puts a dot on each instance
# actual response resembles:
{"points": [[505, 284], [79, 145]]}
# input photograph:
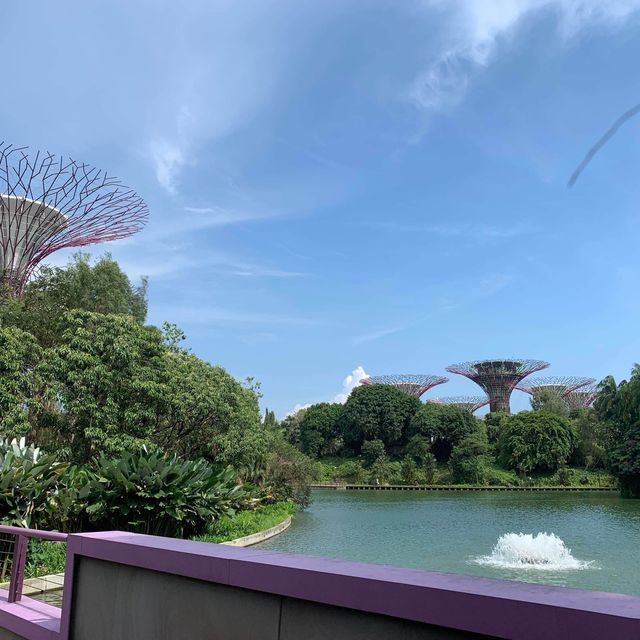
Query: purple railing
{"points": [[20, 547]]}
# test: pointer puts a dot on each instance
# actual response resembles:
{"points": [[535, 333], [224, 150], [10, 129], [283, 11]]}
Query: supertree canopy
{"points": [[414, 384], [583, 397], [469, 403], [559, 385], [49, 203], [498, 378]]}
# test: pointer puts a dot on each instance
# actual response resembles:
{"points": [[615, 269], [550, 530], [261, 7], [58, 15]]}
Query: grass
{"points": [[44, 558], [246, 523]]}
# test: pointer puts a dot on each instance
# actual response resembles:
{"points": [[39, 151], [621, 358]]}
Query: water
{"points": [[585, 540]]}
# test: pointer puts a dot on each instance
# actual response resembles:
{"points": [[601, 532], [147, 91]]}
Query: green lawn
{"points": [[246, 523]]}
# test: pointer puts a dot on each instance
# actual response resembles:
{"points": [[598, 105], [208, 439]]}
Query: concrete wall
{"points": [[115, 601]]}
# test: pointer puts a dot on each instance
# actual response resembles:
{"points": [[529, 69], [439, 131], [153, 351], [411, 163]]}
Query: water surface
{"points": [[453, 531]]}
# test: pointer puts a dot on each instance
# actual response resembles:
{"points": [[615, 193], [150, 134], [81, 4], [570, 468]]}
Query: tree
{"points": [[470, 459], [200, 404], [319, 427], [19, 381], [291, 427], [591, 433], [377, 411], [372, 451], [549, 401], [107, 377], [101, 287], [618, 406], [443, 426], [536, 441]]}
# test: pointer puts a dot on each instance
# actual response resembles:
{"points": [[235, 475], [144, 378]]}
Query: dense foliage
{"points": [[471, 458], [618, 406], [444, 426], [536, 441], [319, 429], [377, 412]]}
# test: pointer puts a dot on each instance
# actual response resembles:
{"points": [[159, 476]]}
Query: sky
{"points": [[342, 188]]}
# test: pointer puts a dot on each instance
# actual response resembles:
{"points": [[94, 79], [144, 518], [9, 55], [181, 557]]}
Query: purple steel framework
{"points": [[49, 203], [560, 385], [413, 384], [583, 397], [470, 403], [498, 378]]}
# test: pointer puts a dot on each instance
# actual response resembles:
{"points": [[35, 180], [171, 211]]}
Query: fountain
{"points": [[542, 551]]}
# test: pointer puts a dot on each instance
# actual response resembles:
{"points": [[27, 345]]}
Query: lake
{"points": [[592, 539]]}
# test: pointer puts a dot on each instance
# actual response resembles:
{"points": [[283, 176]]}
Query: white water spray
{"points": [[542, 551]]}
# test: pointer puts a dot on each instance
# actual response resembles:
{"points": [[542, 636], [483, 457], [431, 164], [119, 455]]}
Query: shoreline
{"points": [[430, 488]]}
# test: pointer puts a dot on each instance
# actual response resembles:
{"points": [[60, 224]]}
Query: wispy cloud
{"points": [[477, 28], [470, 293], [466, 230], [221, 317]]}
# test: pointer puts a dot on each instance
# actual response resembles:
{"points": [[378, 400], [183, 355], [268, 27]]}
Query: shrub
{"points": [[443, 426], [373, 450], [288, 474], [351, 471], [384, 472], [536, 441], [150, 492], [470, 460], [26, 478]]}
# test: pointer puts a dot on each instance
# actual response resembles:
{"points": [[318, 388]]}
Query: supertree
{"points": [[470, 403], [498, 378], [49, 203], [583, 397], [558, 385], [414, 384]]}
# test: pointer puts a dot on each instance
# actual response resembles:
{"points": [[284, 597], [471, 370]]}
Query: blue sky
{"points": [[346, 184]]}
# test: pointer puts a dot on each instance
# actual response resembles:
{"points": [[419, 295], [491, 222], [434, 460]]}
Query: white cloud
{"points": [[350, 383], [298, 407], [167, 158], [476, 28]]}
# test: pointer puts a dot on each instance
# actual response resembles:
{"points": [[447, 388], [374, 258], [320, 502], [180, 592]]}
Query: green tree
{"points": [[536, 441], [443, 426], [618, 406], [470, 460], [591, 439], [319, 427], [19, 381], [200, 404], [377, 411], [372, 451], [290, 426], [107, 376], [550, 401], [101, 287]]}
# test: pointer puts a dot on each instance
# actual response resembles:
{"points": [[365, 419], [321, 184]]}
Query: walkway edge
{"points": [[261, 536]]}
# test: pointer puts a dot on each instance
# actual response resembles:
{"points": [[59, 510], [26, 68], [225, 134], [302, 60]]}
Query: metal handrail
{"points": [[22, 535]]}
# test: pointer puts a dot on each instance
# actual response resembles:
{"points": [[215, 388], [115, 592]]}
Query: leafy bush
{"points": [[536, 441], [351, 471], [443, 426], [288, 474], [373, 450], [26, 478], [384, 472], [470, 460], [153, 493]]}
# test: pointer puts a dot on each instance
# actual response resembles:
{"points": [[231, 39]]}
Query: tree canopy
{"points": [[319, 428], [442, 425], [379, 412], [536, 441]]}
